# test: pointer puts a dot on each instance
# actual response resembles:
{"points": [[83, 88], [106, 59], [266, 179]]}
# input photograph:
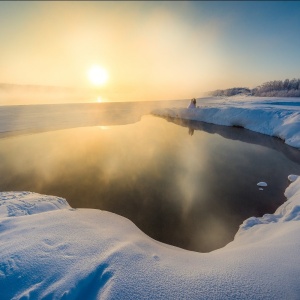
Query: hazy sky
{"points": [[152, 50]]}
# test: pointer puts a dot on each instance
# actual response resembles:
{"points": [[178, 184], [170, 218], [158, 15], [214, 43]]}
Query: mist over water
{"points": [[181, 184]]}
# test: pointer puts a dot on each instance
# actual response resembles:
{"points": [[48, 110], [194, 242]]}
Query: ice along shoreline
{"points": [[270, 116]]}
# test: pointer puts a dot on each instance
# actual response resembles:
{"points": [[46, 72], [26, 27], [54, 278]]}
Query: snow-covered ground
{"points": [[49, 250], [278, 117]]}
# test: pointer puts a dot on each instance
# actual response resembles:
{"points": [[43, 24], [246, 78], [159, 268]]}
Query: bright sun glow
{"points": [[97, 75]]}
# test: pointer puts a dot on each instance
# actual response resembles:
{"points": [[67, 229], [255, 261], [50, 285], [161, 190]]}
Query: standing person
{"points": [[192, 103]]}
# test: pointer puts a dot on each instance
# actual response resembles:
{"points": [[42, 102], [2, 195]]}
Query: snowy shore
{"points": [[278, 117], [51, 251]]}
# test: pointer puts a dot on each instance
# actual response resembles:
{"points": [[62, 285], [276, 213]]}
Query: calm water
{"points": [[190, 184]]}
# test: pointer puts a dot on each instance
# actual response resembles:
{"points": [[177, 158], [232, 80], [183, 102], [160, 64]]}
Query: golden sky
{"points": [[151, 50]]}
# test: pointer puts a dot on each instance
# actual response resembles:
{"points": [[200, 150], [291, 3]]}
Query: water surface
{"points": [[188, 184]]}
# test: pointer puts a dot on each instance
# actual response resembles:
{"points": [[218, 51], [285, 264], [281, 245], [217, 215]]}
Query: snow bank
{"points": [[51, 251], [289, 211], [27, 203], [275, 117]]}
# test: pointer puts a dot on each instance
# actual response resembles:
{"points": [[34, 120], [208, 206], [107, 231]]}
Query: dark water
{"points": [[188, 184]]}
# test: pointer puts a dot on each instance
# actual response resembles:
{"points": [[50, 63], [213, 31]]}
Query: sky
{"points": [[151, 50]]}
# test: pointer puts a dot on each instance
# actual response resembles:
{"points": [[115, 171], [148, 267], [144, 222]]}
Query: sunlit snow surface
{"points": [[49, 250]]}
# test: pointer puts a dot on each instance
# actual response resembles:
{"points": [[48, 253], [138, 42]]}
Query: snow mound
{"points": [[262, 184], [13, 204], [93, 254], [292, 178]]}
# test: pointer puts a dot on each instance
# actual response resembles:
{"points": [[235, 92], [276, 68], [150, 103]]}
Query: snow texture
{"points": [[27, 203], [56, 252], [278, 117]]}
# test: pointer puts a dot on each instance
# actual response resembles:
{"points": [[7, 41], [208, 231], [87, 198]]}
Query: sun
{"points": [[97, 75]]}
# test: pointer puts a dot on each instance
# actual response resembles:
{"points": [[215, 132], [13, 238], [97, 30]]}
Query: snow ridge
{"points": [[282, 121], [61, 253], [14, 204]]}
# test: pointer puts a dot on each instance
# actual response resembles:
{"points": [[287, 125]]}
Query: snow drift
{"points": [[51, 251], [275, 117]]}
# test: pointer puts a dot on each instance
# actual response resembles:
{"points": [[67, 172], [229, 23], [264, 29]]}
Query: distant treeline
{"points": [[276, 88], [231, 92]]}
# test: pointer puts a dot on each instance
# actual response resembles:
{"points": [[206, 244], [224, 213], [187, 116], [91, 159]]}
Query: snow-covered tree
{"points": [[278, 88]]}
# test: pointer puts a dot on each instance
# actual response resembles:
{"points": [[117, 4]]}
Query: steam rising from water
{"points": [[14, 94], [177, 188], [15, 120]]}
